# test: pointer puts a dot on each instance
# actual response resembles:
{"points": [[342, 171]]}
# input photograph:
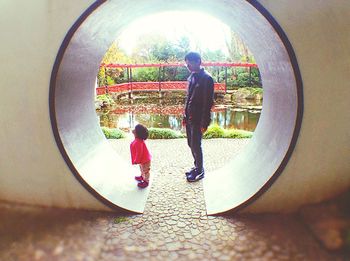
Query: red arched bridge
{"points": [[160, 86]]}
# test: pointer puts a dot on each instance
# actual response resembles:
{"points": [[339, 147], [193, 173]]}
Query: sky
{"points": [[199, 27]]}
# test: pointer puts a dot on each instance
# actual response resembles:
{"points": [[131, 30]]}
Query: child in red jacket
{"points": [[140, 154]]}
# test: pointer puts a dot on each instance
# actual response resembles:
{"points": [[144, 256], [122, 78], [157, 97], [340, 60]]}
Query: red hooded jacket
{"points": [[139, 152]]}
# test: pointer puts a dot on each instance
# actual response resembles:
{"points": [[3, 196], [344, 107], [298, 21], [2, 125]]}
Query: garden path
{"points": [[174, 225]]}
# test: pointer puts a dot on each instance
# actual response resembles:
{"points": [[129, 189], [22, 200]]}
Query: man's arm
{"points": [[208, 98]]}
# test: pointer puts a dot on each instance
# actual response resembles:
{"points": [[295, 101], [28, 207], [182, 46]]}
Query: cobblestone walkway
{"points": [[174, 225]]}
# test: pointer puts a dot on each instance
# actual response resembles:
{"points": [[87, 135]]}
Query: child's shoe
{"points": [[142, 184], [139, 178]]}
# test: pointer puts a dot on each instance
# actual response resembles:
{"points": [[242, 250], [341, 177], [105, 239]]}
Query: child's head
{"points": [[140, 132]]}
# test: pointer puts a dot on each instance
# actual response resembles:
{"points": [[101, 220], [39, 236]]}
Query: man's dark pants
{"points": [[194, 141]]}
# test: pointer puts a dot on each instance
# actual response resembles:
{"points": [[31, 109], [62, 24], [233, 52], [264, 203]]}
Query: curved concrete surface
{"points": [[314, 161]]}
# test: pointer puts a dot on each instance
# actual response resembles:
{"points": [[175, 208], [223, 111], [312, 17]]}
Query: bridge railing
{"points": [[156, 108], [152, 86], [160, 86]]}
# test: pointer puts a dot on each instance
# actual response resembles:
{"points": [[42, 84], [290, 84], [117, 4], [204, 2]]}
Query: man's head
{"points": [[193, 61]]}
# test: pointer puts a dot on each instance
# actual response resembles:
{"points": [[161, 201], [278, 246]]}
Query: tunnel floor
{"points": [[174, 225]]}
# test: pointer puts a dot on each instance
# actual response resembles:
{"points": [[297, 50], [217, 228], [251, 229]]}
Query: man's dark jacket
{"points": [[200, 98]]}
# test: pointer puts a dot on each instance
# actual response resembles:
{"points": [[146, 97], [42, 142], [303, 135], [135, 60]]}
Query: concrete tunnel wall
{"points": [[32, 169]]}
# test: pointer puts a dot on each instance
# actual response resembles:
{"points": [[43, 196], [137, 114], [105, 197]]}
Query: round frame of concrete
{"points": [[104, 173]]}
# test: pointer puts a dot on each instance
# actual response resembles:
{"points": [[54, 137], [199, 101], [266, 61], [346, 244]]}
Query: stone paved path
{"points": [[174, 225]]}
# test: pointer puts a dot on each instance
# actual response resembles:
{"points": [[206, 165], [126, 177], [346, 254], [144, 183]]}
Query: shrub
{"points": [[239, 77], [110, 80], [252, 90], [105, 97], [237, 134], [215, 131], [163, 133], [113, 133]]}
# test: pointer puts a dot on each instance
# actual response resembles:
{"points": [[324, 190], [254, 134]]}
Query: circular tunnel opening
{"points": [[94, 162], [142, 77]]}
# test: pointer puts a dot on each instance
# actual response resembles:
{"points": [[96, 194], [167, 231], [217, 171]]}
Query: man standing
{"points": [[199, 101]]}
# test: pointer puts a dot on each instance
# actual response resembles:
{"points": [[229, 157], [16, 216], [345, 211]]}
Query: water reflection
{"points": [[230, 118], [170, 116]]}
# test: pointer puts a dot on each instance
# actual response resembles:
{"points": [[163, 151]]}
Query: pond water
{"points": [[243, 116]]}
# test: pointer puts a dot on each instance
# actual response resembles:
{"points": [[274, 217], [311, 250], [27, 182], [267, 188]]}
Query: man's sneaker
{"points": [[190, 172], [142, 184], [138, 178], [195, 176]]}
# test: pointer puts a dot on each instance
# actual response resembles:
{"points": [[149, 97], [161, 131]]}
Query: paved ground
{"points": [[174, 225]]}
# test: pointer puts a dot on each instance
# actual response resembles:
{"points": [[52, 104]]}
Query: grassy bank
{"points": [[214, 131]]}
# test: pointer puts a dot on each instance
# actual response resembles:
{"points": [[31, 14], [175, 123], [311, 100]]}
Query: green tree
{"points": [[238, 50], [145, 74], [156, 48], [214, 56], [111, 76]]}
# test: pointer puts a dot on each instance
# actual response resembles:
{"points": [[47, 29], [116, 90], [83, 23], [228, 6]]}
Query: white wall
{"points": [[320, 165], [33, 171], [31, 167]]}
